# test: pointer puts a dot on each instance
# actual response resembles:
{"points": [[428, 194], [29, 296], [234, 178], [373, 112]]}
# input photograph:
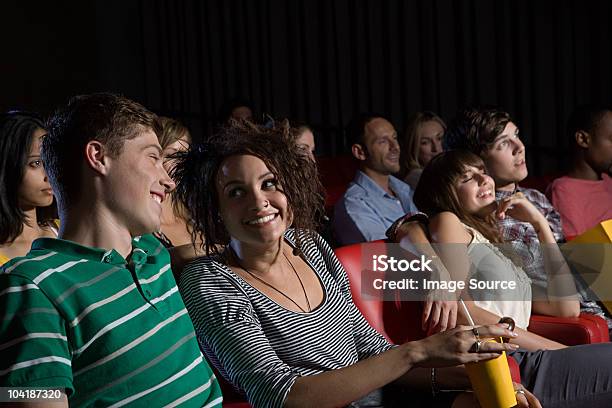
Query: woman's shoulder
{"points": [[309, 240], [319, 253], [447, 227], [444, 219], [207, 273], [209, 277]]}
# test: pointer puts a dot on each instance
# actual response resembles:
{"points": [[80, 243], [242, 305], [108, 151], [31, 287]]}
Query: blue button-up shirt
{"points": [[366, 210]]}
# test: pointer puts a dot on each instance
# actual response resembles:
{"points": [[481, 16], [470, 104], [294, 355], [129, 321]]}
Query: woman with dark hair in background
{"points": [[24, 188], [422, 141], [271, 303]]}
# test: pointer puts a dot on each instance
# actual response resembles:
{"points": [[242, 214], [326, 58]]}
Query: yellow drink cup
{"points": [[492, 382]]}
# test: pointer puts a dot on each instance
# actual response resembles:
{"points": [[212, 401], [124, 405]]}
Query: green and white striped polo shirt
{"points": [[109, 331]]}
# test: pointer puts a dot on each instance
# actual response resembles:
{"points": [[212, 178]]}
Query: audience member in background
{"points": [[459, 198], [306, 141], [491, 134], [421, 142], [174, 231], [237, 109], [97, 312], [584, 196], [24, 187], [273, 308], [375, 198]]}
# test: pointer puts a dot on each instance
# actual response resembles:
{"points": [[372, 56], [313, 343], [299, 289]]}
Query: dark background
{"points": [[317, 61]]}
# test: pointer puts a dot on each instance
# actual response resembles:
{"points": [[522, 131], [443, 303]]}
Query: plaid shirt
{"points": [[524, 238], [526, 245]]}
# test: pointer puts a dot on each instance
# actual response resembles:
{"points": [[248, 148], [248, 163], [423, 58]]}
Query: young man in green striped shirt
{"points": [[97, 312]]}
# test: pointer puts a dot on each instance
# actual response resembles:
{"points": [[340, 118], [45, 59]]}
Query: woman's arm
{"points": [[526, 340], [445, 228], [402, 364], [439, 309], [561, 300]]}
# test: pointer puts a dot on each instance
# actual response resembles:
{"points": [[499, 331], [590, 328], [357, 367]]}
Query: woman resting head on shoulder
{"points": [[459, 197], [25, 190], [421, 142], [271, 303]]}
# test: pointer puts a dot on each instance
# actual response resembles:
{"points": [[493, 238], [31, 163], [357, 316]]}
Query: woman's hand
{"points": [[438, 314], [519, 207], [524, 398], [460, 346]]}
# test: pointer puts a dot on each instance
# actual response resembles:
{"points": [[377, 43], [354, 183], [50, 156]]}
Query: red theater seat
{"points": [[389, 318], [585, 329], [336, 174], [398, 321], [337, 170], [332, 195]]}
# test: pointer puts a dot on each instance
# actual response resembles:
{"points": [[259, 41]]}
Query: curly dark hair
{"points": [[196, 171], [475, 128]]}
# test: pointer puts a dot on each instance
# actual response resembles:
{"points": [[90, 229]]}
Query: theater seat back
{"points": [[399, 321]]}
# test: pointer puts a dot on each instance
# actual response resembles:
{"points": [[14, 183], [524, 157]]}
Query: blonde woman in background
{"points": [[174, 232], [306, 141], [422, 141]]}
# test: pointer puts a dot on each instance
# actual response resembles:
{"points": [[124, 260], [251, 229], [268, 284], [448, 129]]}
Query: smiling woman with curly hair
{"points": [[197, 171], [271, 303]]}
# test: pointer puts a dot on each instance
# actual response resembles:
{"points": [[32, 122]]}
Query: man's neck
{"points": [[507, 187], [581, 170], [92, 226], [381, 179], [168, 216]]}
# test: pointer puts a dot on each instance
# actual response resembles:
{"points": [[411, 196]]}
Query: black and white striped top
{"points": [[260, 346]]}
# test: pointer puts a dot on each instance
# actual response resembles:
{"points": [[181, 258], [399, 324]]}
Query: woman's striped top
{"points": [[260, 346]]}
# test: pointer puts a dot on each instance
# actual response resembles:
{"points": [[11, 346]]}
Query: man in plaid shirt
{"points": [[491, 134]]}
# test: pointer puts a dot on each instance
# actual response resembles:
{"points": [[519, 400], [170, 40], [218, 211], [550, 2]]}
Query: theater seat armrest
{"points": [[515, 372], [585, 329]]}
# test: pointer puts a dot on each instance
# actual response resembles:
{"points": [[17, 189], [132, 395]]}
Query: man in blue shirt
{"points": [[374, 198]]}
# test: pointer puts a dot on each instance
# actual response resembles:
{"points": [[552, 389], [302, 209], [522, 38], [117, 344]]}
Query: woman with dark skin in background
{"points": [[24, 185]]}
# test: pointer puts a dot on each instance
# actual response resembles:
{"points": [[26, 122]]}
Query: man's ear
{"points": [[95, 156], [583, 139], [358, 152]]}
